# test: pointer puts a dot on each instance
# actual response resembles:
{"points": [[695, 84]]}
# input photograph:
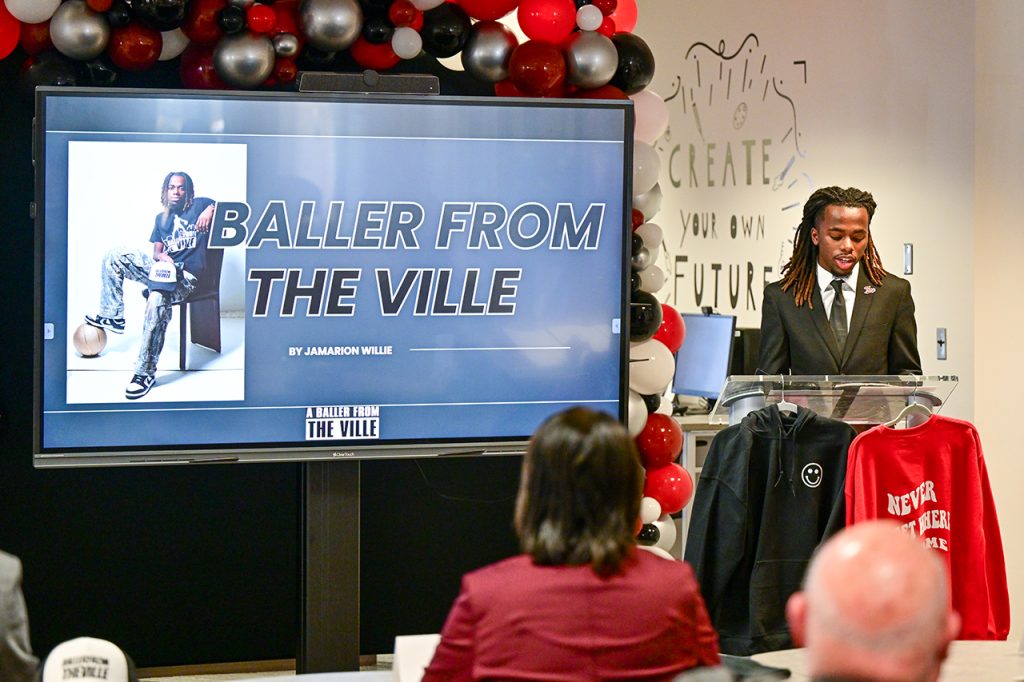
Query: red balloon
{"points": [[99, 5], [487, 10], [506, 88], [637, 218], [672, 331], [603, 92], [670, 485], [536, 68], [36, 37], [10, 31], [607, 27], [624, 16], [549, 20], [197, 70], [606, 6], [260, 18], [200, 23], [660, 441], [285, 70], [373, 56], [134, 47]]}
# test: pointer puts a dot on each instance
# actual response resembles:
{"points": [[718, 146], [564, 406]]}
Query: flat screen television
{"points": [[353, 276], [703, 361]]}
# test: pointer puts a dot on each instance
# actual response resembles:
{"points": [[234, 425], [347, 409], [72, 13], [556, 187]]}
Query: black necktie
{"points": [[837, 319]]}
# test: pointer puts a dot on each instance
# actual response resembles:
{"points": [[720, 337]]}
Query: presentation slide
{"points": [[383, 271]]}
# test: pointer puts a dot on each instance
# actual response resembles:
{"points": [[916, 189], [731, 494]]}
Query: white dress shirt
{"points": [[828, 293]]}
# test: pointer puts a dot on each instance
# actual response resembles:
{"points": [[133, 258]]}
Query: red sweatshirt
{"points": [[932, 479]]}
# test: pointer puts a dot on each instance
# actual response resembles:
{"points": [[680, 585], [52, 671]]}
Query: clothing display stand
{"points": [[859, 400]]}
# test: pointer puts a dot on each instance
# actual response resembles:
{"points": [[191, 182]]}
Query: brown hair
{"points": [[800, 272], [580, 490]]}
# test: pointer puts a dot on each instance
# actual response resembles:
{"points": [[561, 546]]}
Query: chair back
{"points": [[209, 281]]}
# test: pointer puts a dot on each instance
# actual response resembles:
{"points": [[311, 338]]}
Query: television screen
{"points": [[280, 276], [702, 363]]}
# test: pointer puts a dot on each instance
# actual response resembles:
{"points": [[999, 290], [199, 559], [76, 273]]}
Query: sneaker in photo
{"points": [[114, 324], [139, 386]]}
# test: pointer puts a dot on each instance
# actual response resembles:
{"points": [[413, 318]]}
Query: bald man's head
{"points": [[875, 605]]}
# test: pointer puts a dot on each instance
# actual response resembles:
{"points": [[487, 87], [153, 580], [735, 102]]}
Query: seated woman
{"points": [[581, 603]]}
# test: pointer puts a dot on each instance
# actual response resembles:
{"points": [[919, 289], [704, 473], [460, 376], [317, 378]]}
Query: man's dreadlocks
{"points": [[799, 273]]}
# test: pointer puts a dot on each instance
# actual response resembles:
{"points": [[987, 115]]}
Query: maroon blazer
{"points": [[514, 620]]}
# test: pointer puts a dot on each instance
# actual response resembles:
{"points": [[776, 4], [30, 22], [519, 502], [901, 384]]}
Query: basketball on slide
{"points": [[89, 340]]}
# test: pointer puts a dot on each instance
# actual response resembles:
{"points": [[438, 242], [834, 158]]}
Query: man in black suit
{"points": [[835, 310]]}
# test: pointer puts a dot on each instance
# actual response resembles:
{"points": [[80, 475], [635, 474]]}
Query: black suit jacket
{"points": [[882, 338]]}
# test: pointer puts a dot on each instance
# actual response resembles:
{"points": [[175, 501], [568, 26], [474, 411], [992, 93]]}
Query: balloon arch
{"points": [[524, 48]]}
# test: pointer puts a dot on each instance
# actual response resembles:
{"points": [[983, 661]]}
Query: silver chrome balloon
{"points": [[244, 60], [591, 60], [330, 25], [487, 51], [286, 45], [78, 32]]}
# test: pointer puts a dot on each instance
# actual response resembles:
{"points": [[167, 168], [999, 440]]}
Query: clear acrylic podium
{"points": [[852, 399]]}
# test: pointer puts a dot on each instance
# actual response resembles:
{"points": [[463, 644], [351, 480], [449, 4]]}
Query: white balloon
{"points": [[665, 407], [32, 11], [654, 252], [657, 551], [650, 510], [651, 366], [636, 414], [406, 42], [174, 44], [646, 165], [652, 279], [424, 5], [453, 63], [589, 18], [648, 203], [666, 525], [652, 234], [651, 115]]}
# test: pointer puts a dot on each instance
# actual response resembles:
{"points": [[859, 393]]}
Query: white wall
{"points": [[874, 94], [999, 316], [916, 101]]}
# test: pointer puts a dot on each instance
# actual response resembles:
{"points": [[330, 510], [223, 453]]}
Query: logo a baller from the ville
{"points": [[811, 475]]}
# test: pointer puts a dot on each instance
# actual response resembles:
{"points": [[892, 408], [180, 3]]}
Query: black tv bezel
{"points": [[293, 451]]}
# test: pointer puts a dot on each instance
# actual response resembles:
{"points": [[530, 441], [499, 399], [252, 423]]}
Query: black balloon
{"points": [[46, 68], [445, 30], [644, 316], [377, 29], [99, 71], [649, 535], [380, 6], [316, 57], [652, 401], [161, 15], [636, 243], [119, 14], [636, 63], [232, 20], [634, 281]]}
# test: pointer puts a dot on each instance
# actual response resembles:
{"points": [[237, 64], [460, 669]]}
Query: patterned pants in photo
{"points": [[133, 264]]}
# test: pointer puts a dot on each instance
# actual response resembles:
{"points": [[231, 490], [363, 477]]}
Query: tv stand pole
{"points": [[329, 496]]}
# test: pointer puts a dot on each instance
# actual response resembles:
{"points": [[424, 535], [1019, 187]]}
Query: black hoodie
{"points": [[770, 491]]}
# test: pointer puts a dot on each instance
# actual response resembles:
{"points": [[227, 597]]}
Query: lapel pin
{"points": [[869, 290]]}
